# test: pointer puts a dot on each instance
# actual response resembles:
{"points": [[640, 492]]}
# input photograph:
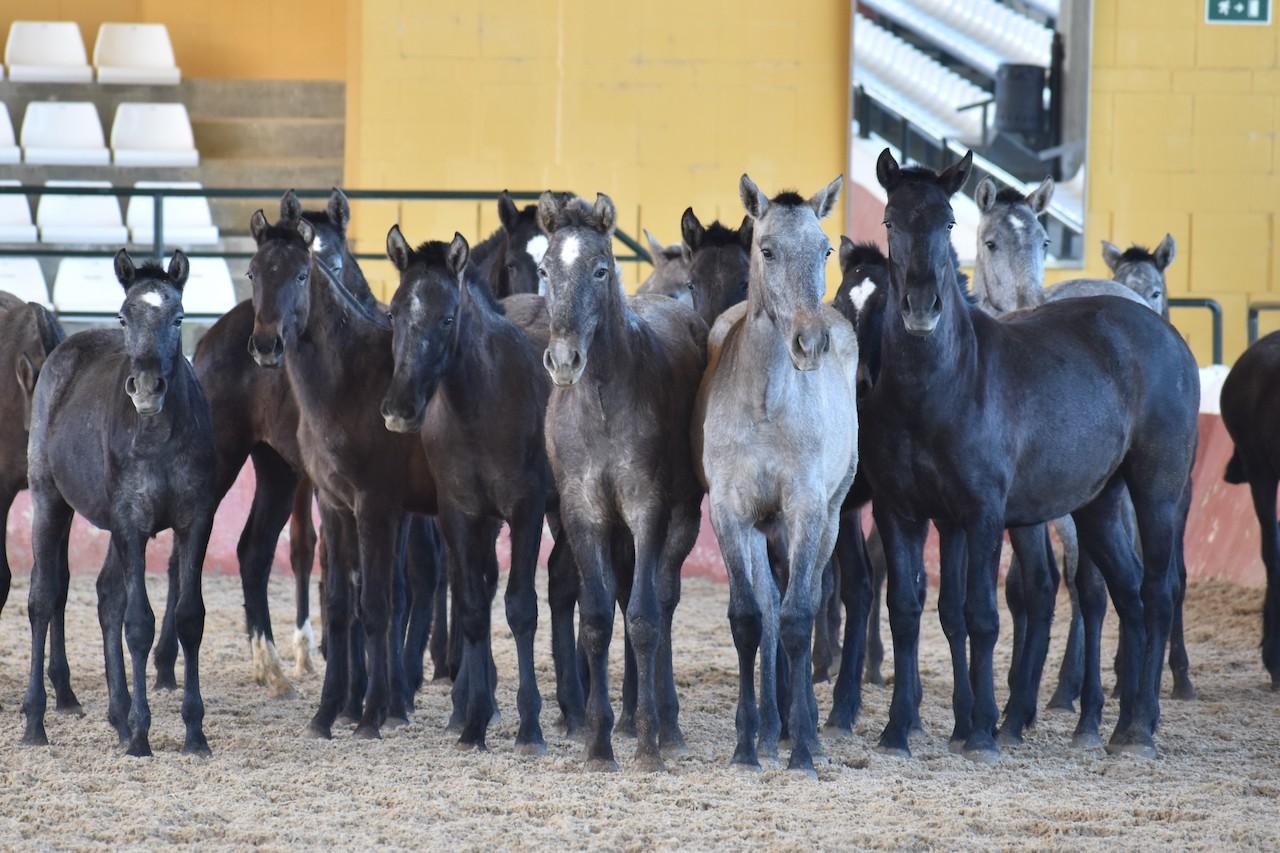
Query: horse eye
{"points": [[120, 317], [391, 318], [828, 251], [602, 273], [447, 321], [950, 225], [767, 253], [542, 272], [177, 321], [1046, 244], [249, 274], [888, 226], [689, 285], [991, 245], [302, 276]]}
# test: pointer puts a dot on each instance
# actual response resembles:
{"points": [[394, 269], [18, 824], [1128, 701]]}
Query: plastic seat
{"points": [[9, 150], [87, 286], [46, 52], [93, 219], [15, 218], [63, 134], [187, 220], [209, 290], [137, 54], [153, 135], [22, 277]]}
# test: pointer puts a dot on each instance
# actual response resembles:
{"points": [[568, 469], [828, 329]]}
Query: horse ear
{"points": [[549, 206], [985, 195], [605, 213], [398, 249], [179, 269], [290, 207], [846, 252], [745, 232], [1040, 197], [508, 213], [752, 199], [459, 254], [339, 210], [691, 230], [306, 231], [825, 199], [125, 270], [258, 225], [1111, 255], [954, 176], [887, 171], [26, 373], [1164, 252], [656, 250]]}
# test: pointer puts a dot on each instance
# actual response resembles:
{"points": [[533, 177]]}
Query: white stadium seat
{"points": [[15, 217], [187, 220], [153, 135], [135, 54], [9, 150], [209, 289], [22, 277], [87, 286], [91, 219], [46, 52], [63, 134]]}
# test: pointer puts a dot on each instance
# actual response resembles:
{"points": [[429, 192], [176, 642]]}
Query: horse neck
{"points": [[333, 345], [177, 415], [614, 346], [471, 378], [354, 281], [763, 355], [930, 369]]}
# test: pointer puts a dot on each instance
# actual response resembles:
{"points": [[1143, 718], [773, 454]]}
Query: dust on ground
{"points": [[1216, 784]]}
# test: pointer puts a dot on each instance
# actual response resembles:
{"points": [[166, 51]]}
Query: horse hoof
{"points": [[601, 765], [745, 765], [804, 772], [837, 731], [650, 762], [956, 745], [35, 736], [453, 727], [1008, 738], [166, 681], [532, 748], [139, 747], [1064, 705], [675, 748], [1136, 749], [982, 755], [917, 732], [394, 721], [71, 709], [893, 751], [626, 726], [1086, 740], [367, 731], [496, 718], [469, 746], [346, 718], [767, 749], [319, 731], [821, 676], [1183, 691], [197, 746]]}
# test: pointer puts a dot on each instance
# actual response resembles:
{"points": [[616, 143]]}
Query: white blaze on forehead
{"points": [[570, 249], [1016, 222], [861, 293], [317, 245], [536, 247], [152, 298]]}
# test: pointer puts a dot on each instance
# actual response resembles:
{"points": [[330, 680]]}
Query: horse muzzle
{"points": [[809, 343], [266, 349], [147, 393], [564, 362]]}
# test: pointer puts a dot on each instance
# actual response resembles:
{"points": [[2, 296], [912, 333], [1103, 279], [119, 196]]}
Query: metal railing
{"points": [[1215, 310], [1254, 310], [159, 194]]}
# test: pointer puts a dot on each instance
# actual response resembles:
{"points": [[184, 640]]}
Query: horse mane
{"points": [[867, 253], [1008, 195], [1137, 254], [286, 230], [715, 235], [435, 253], [789, 198], [51, 331], [577, 212]]}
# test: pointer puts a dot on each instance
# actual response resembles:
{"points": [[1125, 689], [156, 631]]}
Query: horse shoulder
{"points": [[844, 345], [1081, 287]]}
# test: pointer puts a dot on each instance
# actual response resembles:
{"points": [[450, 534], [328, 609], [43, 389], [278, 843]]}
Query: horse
{"points": [[670, 276], [1251, 413], [625, 372], [507, 260], [28, 333], [255, 417], [964, 426], [336, 355], [469, 383], [775, 436], [1009, 275], [133, 464]]}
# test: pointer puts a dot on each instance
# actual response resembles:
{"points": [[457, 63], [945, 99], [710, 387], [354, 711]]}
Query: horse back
{"points": [[1250, 406]]}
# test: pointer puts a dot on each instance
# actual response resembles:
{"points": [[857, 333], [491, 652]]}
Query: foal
{"points": [[133, 468], [625, 373], [963, 427], [776, 440], [719, 260], [670, 276], [469, 383]]}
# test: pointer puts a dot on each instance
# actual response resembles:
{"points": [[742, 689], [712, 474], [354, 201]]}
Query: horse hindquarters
{"points": [[1263, 490]]}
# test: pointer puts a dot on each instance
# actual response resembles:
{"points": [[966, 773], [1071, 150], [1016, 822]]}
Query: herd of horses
{"points": [[514, 383]]}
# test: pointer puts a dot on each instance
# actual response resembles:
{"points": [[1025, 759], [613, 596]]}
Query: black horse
{"points": [[133, 463], [1251, 413], [964, 426]]}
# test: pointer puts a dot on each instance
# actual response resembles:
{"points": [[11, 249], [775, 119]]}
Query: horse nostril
{"points": [[161, 385], [277, 346], [546, 359], [577, 360], [798, 343], [826, 342], [130, 386], [937, 303]]}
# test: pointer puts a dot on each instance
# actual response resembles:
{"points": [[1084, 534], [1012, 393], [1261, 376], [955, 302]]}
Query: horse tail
{"points": [[1235, 469]]}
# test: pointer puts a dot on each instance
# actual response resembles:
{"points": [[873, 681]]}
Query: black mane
{"points": [[1137, 254], [867, 253], [435, 253], [577, 212], [789, 198], [716, 235], [1008, 195]]}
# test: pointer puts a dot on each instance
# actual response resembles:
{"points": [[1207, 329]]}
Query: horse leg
{"points": [[274, 486], [1179, 664], [682, 533], [422, 568], [904, 563], [522, 618], [439, 643], [852, 562], [337, 622], [1263, 491], [951, 596], [1015, 600], [644, 626], [65, 701], [50, 528], [400, 697], [302, 556], [982, 619], [624, 575], [774, 689], [562, 595], [111, 607], [822, 637], [139, 633], [378, 528], [1092, 594], [597, 596], [879, 572], [1071, 673], [1039, 591], [358, 683], [190, 545], [7, 494], [745, 620], [166, 654]]}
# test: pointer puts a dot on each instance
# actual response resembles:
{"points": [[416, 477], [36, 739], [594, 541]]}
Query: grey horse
{"points": [[775, 438], [670, 276]]}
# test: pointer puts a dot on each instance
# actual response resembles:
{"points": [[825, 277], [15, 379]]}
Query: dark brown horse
{"points": [[625, 374], [121, 434]]}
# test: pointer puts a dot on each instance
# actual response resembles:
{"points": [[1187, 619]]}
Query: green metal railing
{"points": [[159, 194], [1254, 310], [1215, 314]]}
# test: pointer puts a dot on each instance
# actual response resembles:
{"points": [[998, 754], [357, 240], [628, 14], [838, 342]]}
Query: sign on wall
{"points": [[1238, 11]]}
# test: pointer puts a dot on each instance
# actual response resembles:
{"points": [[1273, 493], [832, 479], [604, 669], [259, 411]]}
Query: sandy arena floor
{"points": [[1216, 785]]}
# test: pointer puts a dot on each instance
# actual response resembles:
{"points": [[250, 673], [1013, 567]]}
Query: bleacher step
{"points": [[258, 137]]}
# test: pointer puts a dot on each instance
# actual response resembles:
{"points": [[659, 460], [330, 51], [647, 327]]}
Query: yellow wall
{"points": [[241, 39], [1183, 139], [661, 104]]}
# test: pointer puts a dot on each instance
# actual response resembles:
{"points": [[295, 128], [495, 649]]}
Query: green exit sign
{"points": [[1238, 11]]}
